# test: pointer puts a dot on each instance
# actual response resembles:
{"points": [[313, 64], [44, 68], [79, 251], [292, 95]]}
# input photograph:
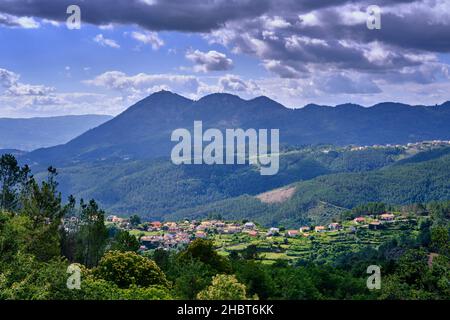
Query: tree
{"points": [[250, 253], [124, 241], [13, 181], [224, 287], [190, 277], [440, 239], [203, 250], [135, 220], [128, 268], [92, 236], [43, 205]]}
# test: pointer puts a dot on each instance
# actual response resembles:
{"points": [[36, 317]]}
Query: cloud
{"points": [[179, 15], [20, 99], [209, 61], [233, 83], [18, 22], [9, 81], [100, 39], [135, 87], [150, 38]]}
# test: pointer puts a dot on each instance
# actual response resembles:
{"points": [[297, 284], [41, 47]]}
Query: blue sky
{"points": [[296, 52]]}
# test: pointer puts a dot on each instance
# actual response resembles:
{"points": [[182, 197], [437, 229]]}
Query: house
{"points": [[334, 226], [232, 230], [273, 231], [319, 229], [114, 219], [249, 225], [110, 218], [253, 233], [200, 234], [304, 229], [375, 225], [359, 220], [387, 217], [154, 226], [292, 233]]}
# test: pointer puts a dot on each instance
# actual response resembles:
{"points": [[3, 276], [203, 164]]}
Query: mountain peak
{"points": [[220, 97]]}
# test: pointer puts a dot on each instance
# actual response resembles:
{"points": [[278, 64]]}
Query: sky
{"points": [[293, 51]]}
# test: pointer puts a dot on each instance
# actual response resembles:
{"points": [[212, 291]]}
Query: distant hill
{"points": [[143, 130], [16, 153], [325, 197], [33, 133], [331, 179]]}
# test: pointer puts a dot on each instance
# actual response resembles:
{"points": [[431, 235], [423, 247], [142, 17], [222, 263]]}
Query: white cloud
{"points": [[18, 22], [150, 38], [209, 61], [100, 39]]}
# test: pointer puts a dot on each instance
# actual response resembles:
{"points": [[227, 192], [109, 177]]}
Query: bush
{"points": [[126, 269]]}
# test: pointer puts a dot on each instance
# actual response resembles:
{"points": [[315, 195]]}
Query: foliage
{"points": [[124, 241], [203, 251], [126, 269], [224, 287]]}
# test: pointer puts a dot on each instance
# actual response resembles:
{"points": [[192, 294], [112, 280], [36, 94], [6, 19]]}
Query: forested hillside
{"points": [[321, 199], [157, 189]]}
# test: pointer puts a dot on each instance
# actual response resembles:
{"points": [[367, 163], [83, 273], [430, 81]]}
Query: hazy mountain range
{"points": [[143, 130], [33, 133]]}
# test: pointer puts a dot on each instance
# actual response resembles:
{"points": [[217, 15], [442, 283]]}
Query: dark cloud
{"points": [[180, 15]]}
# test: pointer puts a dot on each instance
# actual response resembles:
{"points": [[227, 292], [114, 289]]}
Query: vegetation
{"points": [[37, 246]]}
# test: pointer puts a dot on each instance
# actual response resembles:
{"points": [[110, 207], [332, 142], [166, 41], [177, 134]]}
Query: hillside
{"points": [[322, 198], [33, 133], [143, 130], [157, 189]]}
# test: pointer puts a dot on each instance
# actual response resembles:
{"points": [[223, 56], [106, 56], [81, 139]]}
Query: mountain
{"points": [[33, 133], [143, 130]]}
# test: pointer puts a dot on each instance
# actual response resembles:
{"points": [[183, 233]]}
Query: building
{"points": [[249, 225], [387, 217], [154, 226], [320, 229], [253, 233], [273, 231], [359, 220], [334, 226], [375, 225], [292, 233], [200, 234], [304, 229]]}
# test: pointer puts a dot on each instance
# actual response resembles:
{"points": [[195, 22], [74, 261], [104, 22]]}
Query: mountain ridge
{"points": [[143, 130]]}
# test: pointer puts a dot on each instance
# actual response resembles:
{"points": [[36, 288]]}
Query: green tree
{"points": [[128, 268], [43, 205], [440, 239], [13, 181], [203, 250], [224, 287], [124, 241], [135, 220], [189, 277], [92, 236]]}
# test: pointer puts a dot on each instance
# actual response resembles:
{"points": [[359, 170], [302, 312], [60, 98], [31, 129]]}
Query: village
{"points": [[231, 235]]}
